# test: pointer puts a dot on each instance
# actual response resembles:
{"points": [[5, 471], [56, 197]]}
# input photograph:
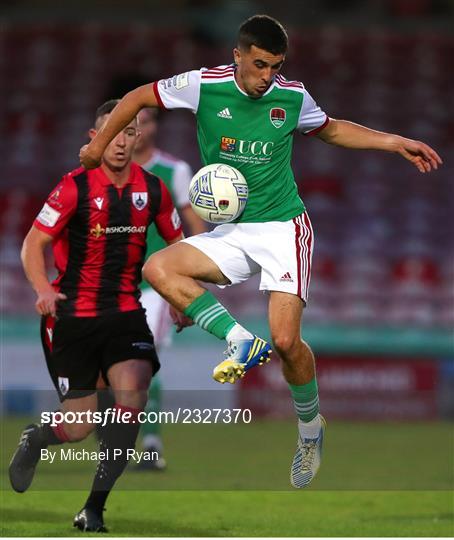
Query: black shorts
{"points": [[79, 349]]}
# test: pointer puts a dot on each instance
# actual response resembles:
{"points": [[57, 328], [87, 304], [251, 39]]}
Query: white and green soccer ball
{"points": [[218, 193]]}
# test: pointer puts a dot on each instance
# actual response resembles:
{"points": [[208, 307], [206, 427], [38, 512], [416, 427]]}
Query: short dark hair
{"points": [[265, 33], [106, 108]]}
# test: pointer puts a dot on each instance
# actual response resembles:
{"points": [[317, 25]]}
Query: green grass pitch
{"points": [[223, 480]]}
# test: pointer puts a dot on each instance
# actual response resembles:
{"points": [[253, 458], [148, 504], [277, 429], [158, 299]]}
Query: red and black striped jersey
{"points": [[99, 237]]}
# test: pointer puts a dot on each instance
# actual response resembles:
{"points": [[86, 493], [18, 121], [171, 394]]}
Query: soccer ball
{"points": [[218, 193]]}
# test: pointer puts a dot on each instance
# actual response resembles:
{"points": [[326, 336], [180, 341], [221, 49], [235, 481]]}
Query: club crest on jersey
{"points": [[140, 199], [277, 117], [63, 385]]}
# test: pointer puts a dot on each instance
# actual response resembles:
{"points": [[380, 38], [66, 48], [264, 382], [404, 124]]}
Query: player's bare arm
{"points": [[351, 135], [34, 264], [90, 154], [175, 240]]}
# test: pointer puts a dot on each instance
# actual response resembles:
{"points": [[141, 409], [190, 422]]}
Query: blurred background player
{"points": [[176, 175], [92, 319]]}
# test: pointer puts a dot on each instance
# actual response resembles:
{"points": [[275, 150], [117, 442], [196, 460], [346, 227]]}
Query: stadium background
{"points": [[381, 312]]}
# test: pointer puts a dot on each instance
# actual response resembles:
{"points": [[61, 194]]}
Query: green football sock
{"points": [[305, 400], [210, 315], [154, 404]]}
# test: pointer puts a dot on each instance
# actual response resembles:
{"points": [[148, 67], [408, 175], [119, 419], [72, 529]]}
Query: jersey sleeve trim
{"points": [[313, 132], [157, 96], [180, 91]]}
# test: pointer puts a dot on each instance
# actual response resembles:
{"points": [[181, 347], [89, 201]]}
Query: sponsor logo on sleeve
{"points": [[177, 81], [176, 221], [182, 81], [55, 195], [48, 216]]}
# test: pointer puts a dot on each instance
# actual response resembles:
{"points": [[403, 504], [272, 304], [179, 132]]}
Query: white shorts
{"points": [[280, 250], [158, 317]]}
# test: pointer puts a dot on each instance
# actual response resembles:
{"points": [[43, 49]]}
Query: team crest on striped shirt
{"points": [[63, 385], [140, 199], [277, 117]]}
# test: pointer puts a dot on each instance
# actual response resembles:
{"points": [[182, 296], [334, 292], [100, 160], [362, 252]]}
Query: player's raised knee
{"points": [[154, 271]]}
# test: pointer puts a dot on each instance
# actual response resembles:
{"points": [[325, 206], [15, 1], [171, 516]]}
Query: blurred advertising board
{"points": [[352, 388]]}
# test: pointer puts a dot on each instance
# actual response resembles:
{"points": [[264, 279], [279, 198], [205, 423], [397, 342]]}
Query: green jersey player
{"points": [[247, 114]]}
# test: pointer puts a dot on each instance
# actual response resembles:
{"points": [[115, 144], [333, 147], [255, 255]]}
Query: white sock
{"points": [[310, 430], [152, 441], [237, 333]]}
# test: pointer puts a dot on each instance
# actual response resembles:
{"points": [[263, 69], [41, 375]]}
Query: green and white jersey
{"points": [[176, 175], [253, 135]]}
